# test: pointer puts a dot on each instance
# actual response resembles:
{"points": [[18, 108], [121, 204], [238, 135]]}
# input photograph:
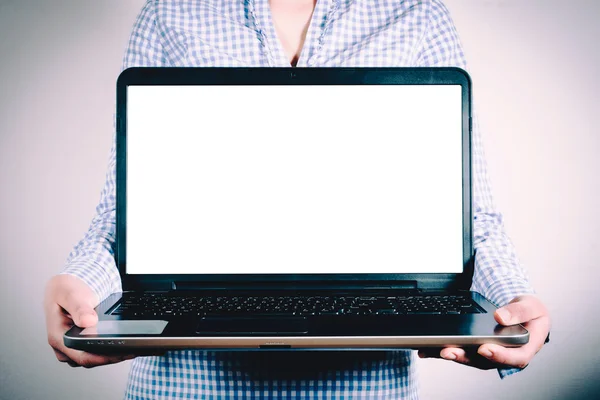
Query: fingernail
{"points": [[485, 352], [450, 356], [504, 314]]}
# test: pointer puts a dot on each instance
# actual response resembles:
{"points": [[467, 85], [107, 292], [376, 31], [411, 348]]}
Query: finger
{"points": [[458, 355], [90, 360], [505, 356], [466, 357], [471, 358], [79, 306], [60, 356], [447, 353], [521, 356], [430, 352], [520, 310], [454, 354]]}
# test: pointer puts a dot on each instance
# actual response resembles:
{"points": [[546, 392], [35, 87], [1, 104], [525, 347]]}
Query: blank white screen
{"points": [[294, 179]]}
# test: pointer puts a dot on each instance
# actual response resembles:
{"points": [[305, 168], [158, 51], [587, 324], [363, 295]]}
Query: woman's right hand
{"points": [[69, 301]]}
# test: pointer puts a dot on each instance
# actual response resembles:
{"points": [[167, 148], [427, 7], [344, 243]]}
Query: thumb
{"points": [[78, 302], [84, 316], [520, 310]]}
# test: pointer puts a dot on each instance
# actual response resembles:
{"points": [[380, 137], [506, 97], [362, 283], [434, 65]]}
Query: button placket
{"points": [[262, 37], [330, 17]]}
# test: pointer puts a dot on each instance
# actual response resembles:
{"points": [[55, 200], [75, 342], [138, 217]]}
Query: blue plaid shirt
{"points": [[342, 33]]}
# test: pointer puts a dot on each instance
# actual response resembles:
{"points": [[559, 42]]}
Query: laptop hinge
{"points": [[293, 285]]}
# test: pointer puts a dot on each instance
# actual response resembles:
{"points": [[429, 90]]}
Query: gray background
{"points": [[534, 64]]}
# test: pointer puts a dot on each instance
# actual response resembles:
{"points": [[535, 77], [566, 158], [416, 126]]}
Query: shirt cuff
{"points": [[504, 372], [94, 275], [503, 292]]}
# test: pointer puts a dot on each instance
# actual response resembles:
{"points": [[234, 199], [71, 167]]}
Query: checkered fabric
{"points": [[342, 33]]}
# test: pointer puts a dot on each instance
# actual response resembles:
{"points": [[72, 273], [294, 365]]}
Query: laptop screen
{"points": [[294, 179]]}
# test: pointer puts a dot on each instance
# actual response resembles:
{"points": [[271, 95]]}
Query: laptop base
{"points": [[118, 334]]}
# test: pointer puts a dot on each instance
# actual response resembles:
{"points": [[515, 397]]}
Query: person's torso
{"points": [[240, 33]]}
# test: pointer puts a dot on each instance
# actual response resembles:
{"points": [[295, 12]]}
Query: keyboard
{"points": [[164, 305]]}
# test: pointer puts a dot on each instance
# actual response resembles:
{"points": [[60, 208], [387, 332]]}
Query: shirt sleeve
{"points": [[92, 259], [498, 273]]}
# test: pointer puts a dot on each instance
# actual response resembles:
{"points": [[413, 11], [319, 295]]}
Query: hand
{"points": [[69, 301], [527, 310]]}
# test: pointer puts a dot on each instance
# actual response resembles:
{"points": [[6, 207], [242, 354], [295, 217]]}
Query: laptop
{"points": [[293, 208]]}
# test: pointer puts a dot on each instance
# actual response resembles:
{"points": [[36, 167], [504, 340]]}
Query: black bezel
{"points": [[294, 76]]}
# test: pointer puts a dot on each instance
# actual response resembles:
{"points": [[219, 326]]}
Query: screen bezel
{"points": [[148, 76]]}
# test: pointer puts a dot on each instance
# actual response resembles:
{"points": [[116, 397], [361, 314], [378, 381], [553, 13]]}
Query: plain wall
{"points": [[534, 64]]}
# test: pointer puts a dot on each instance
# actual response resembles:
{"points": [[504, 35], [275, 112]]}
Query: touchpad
{"points": [[252, 325]]}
